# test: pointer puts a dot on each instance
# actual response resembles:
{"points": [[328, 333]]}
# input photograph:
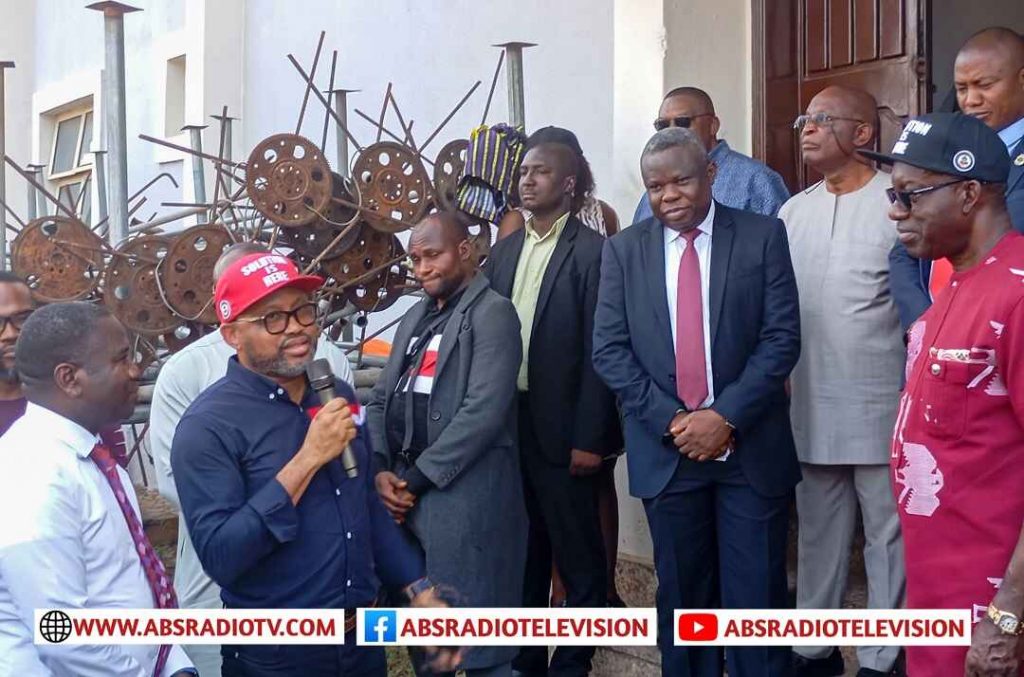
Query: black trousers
{"points": [[717, 542], [564, 528]]}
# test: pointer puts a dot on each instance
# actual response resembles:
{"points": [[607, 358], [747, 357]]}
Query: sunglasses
{"points": [[15, 320], [683, 121], [277, 321], [906, 198], [820, 120]]}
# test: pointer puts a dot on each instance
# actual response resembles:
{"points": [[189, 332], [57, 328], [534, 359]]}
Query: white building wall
{"points": [[17, 30], [600, 69]]}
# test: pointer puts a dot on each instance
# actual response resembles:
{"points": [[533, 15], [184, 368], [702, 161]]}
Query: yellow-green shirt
{"points": [[533, 261]]}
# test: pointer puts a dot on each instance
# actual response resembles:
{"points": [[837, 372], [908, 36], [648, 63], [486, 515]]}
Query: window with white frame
{"points": [[70, 165]]}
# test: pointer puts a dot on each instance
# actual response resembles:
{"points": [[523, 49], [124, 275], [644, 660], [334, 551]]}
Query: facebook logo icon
{"points": [[380, 626]]}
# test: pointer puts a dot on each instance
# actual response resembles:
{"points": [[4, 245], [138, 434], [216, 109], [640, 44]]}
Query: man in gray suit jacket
{"points": [[442, 419]]}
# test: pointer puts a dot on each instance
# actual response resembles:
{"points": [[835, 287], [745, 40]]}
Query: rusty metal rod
{"points": [[324, 101], [309, 82], [450, 116], [494, 84], [407, 128], [320, 257], [137, 193], [367, 210], [330, 93], [137, 207], [375, 334], [184, 149], [12, 213], [391, 134], [207, 205], [370, 274], [383, 112], [220, 153], [28, 177]]}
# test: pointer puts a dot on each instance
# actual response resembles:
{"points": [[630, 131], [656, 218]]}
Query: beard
{"points": [[279, 364], [8, 375]]}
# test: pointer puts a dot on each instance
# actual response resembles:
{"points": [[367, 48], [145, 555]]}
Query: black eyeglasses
{"points": [[15, 320], [820, 120], [276, 321], [906, 197], [683, 121]]}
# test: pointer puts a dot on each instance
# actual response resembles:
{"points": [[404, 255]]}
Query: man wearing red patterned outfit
{"points": [[959, 438]]}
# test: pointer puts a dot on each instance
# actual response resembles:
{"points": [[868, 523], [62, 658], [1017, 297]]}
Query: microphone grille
{"points": [[319, 371]]}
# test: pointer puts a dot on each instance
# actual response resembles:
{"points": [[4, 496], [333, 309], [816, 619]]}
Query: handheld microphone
{"points": [[321, 379]]}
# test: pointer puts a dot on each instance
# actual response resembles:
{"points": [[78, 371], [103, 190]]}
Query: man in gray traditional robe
{"points": [[845, 388]]}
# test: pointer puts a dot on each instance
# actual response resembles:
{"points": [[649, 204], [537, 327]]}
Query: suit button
{"points": [[671, 377], [436, 416], [936, 369]]}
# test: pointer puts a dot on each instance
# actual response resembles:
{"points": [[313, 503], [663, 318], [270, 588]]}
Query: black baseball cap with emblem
{"points": [[950, 143]]}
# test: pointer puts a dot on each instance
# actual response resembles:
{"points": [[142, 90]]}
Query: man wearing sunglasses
{"points": [[273, 517], [959, 441], [741, 182], [989, 79], [840, 236]]}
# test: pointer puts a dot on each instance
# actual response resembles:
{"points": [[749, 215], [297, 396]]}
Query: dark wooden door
{"points": [[803, 46]]}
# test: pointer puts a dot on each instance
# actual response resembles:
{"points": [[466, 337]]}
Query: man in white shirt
{"points": [[67, 540], [185, 375]]}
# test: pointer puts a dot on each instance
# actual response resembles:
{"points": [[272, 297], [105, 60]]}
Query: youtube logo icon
{"points": [[697, 627]]}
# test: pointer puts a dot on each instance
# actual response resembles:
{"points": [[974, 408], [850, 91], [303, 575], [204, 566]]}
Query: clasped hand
{"points": [[701, 435]]}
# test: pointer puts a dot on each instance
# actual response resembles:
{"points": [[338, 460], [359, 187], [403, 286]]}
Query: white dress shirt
{"points": [[186, 374], [675, 245], [64, 543]]}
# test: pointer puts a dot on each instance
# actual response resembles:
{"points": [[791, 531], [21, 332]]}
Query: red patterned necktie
{"points": [[159, 584], [691, 374]]}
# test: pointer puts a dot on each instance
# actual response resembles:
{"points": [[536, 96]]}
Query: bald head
{"points": [[447, 224], [443, 260], [989, 77], [851, 103], [838, 122], [998, 42]]}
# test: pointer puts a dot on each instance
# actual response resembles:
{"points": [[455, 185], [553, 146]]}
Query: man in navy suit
{"points": [[696, 330], [989, 79]]}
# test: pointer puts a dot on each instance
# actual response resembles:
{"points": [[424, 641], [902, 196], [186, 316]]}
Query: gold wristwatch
{"points": [[1008, 624]]}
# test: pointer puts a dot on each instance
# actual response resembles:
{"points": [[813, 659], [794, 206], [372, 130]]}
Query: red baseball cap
{"points": [[255, 277]]}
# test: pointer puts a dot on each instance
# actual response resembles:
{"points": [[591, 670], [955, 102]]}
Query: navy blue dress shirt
{"points": [[324, 553]]}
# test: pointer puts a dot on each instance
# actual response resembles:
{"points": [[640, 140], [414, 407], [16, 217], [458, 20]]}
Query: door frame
{"points": [[759, 43]]}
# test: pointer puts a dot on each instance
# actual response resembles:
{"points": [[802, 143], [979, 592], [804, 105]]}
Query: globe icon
{"points": [[55, 626]]}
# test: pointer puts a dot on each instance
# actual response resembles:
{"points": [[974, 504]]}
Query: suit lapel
{"points": [[454, 325], [653, 252], [563, 248], [505, 274], [1016, 170], [721, 251]]}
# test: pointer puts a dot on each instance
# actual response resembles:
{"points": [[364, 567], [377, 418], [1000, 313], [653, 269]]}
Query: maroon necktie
{"points": [[691, 370], [159, 584]]}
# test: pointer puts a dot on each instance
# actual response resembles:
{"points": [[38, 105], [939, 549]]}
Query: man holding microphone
{"points": [[275, 520]]}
